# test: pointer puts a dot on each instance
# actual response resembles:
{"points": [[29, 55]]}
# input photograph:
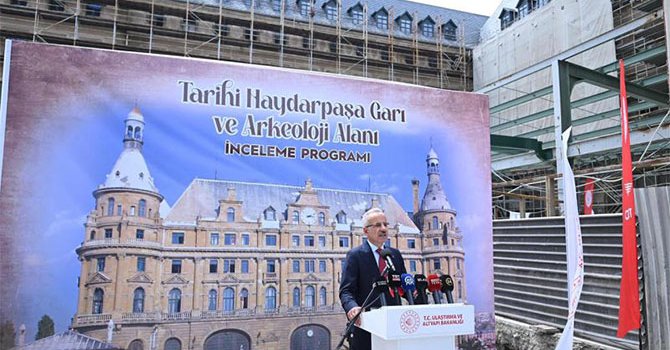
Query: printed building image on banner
{"points": [[155, 202]]}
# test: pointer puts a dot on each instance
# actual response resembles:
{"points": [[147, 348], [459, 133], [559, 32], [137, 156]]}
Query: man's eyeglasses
{"points": [[379, 224]]}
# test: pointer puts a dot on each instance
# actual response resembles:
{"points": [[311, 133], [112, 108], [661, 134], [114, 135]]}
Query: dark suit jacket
{"points": [[360, 272]]}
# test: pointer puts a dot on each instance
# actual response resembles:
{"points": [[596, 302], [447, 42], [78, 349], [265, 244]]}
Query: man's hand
{"points": [[352, 313]]}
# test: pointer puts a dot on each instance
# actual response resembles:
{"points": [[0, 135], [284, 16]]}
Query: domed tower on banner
{"points": [[442, 240], [121, 234]]}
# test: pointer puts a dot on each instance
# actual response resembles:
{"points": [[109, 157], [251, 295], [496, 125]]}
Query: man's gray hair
{"points": [[370, 213]]}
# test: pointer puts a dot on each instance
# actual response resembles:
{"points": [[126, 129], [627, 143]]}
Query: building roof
{"points": [[68, 340], [130, 172], [201, 199], [471, 22]]}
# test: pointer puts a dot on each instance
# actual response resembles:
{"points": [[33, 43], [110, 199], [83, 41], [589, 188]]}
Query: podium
{"points": [[418, 326]]}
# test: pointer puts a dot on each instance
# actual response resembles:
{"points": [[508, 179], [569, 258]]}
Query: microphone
{"points": [[408, 286], [434, 286], [421, 285], [382, 288], [386, 254], [395, 283], [447, 287]]}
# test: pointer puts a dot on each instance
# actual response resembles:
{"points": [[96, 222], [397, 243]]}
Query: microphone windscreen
{"points": [[434, 283], [394, 280], [420, 281], [447, 283], [407, 282], [385, 253]]}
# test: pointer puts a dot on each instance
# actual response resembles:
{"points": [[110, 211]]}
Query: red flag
{"points": [[588, 197], [629, 296]]}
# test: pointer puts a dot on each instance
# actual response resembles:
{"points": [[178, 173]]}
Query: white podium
{"points": [[418, 326]]}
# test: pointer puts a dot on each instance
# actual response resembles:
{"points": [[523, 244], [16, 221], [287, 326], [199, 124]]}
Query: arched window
{"points": [[173, 344], [296, 297], [142, 208], [132, 210], [310, 336], [174, 301], [212, 298], [138, 300], [230, 215], [452, 223], [110, 206], [322, 296], [230, 339], [98, 296], [341, 217], [92, 235], [136, 345], [460, 290], [228, 299], [244, 298], [435, 224], [309, 296], [322, 219], [138, 133], [129, 133], [270, 298], [296, 217]]}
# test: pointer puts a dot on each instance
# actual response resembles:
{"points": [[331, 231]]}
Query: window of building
{"points": [[322, 266], [269, 214], [356, 14], [405, 25], [93, 10], [245, 239], [224, 30], [322, 241], [244, 266], [173, 344], [176, 266], [382, 20], [343, 264], [460, 290], [458, 264], [524, 8], [411, 243], [295, 240], [158, 20], [436, 242], [138, 300], [409, 59], [98, 297], [432, 62], [309, 296], [139, 234], [278, 39], [229, 239], [19, 2], [387, 243], [306, 44], [189, 25], [295, 218], [309, 241], [383, 55], [229, 265], [247, 36], [344, 242], [427, 29], [214, 238], [119, 210], [108, 233], [412, 266], [228, 299], [331, 10], [450, 31], [309, 265], [322, 216], [91, 236], [271, 266], [296, 265], [212, 298], [270, 298], [296, 297], [305, 7], [110, 206], [452, 243], [435, 224], [213, 266], [230, 215], [322, 296], [132, 210], [360, 53], [142, 208], [436, 264], [244, 298], [141, 263], [101, 264], [341, 217], [270, 240], [136, 344], [174, 301], [177, 237]]}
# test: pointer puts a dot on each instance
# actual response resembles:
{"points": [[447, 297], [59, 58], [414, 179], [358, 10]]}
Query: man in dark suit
{"points": [[362, 269]]}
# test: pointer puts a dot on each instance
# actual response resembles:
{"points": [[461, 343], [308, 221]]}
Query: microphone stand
{"points": [[366, 303]]}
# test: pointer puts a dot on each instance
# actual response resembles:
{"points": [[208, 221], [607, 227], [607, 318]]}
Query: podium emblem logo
{"points": [[409, 321]]}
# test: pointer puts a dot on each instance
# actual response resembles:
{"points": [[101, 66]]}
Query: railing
{"points": [[177, 316], [93, 319], [140, 316]]}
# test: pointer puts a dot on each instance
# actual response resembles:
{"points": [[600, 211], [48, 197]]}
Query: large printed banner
{"points": [[193, 133]]}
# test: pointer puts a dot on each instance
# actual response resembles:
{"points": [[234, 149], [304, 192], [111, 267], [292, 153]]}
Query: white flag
{"points": [[573, 245]]}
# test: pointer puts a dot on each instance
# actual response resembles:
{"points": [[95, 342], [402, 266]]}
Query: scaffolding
{"points": [[218, 30]]}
